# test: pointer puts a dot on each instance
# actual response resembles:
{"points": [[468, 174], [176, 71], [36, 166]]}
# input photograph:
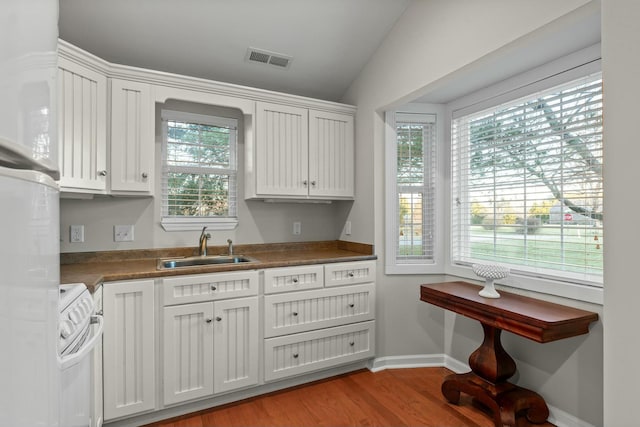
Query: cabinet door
{"points": [[331, 155], [281, 150], [82, 129], [97, 415], [128, 351], [132, 137], [188, 352], [235, 344]]}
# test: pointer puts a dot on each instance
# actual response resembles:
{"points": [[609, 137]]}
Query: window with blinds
{"points": [[414, 193], [199, 168], [527, 184]]}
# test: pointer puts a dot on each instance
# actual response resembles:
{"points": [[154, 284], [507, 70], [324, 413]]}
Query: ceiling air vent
{"points": [[270, 58]]}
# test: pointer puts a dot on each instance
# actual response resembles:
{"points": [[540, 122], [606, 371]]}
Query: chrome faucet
{"points": [[202, 247], [230, 250]]}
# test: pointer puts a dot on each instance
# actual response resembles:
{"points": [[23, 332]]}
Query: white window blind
{"points": [[413, 214], [527, 184], [199, 169]]}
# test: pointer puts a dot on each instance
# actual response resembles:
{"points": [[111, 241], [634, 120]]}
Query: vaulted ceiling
{"points": [[329, 41]]}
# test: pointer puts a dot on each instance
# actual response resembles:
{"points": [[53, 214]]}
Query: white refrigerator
{"points": [[29, 214]]}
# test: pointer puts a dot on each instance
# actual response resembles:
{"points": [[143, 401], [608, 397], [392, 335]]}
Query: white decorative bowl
{"points": [[490, 272]]}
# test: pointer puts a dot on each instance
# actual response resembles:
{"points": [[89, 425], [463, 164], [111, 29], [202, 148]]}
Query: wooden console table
{"points": [[491, 366]]}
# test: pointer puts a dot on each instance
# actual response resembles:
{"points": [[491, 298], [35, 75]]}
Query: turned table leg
{"points": [[491, 367]]}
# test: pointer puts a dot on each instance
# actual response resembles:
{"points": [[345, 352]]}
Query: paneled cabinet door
{"points": [[188, 352], [132, 137], [282, 135], [128, 348], [331, 151], [82, 128], [235, 344]]}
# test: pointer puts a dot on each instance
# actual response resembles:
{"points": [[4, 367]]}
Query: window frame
{"points": [[563, 70], [185, 223], [435, 265]]}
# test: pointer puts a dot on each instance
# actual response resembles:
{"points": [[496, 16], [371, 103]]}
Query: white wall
{"points": [[259, 222], [431, 42], [621, 62]]}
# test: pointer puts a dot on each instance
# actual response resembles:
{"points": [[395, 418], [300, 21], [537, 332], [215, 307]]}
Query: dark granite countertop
{"points": [[93, 268]]}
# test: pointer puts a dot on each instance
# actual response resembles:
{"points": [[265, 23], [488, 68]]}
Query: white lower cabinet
{"points": [[188, 352], [310, 330], [310, 351], [209, 347], [210, 329], [303, 311], [128, 348]]}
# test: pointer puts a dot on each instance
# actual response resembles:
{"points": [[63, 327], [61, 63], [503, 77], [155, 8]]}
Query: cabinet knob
{"points": [[295, 313], [102, 173], [351, 305], [295, 280], [218, 318], [305, 183], [313, 183], [350, 274], [213, 288], [208, 320], [295, 355], [352, 343], [145, 175]]}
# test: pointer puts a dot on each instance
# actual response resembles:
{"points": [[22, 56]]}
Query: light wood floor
{"points": [[394, 397]]}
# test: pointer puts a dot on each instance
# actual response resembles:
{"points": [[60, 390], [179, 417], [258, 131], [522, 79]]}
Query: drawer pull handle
{"points": [[208, 320], [295, 313], [351, 305], [295, 280], [145, 175], [218, 318], [350, 274], [352, 343], [295, 355], [213, 288]]}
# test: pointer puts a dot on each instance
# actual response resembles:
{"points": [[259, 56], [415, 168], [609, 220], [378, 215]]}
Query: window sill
{"points": [[556, 288], [196, 224]]}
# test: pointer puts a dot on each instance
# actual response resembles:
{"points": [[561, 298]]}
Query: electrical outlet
{"points": [[123, 233], [347, 228], [297, 228], [76, 233]]}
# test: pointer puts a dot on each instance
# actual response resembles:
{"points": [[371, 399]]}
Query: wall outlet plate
{"points": [[297, 228], [123, 233], [76, 233]]}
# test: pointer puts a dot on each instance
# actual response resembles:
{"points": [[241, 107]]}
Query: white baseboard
{"points": [[556, 416]]}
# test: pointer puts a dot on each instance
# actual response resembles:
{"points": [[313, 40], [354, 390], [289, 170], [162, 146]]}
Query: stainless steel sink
{"points": [[196, 261]]}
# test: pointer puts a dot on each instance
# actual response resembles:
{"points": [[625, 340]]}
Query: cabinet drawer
{"points": [[305, 311], [309, 351], [293, 278], [349, 273], [208, 287]]}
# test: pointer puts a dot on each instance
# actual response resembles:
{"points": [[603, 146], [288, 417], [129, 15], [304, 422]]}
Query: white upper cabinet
{"points": [[296, 148], [331, 161], [89, 161], [132, 137], [282, 150], [301, 153], [82, 133]]}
